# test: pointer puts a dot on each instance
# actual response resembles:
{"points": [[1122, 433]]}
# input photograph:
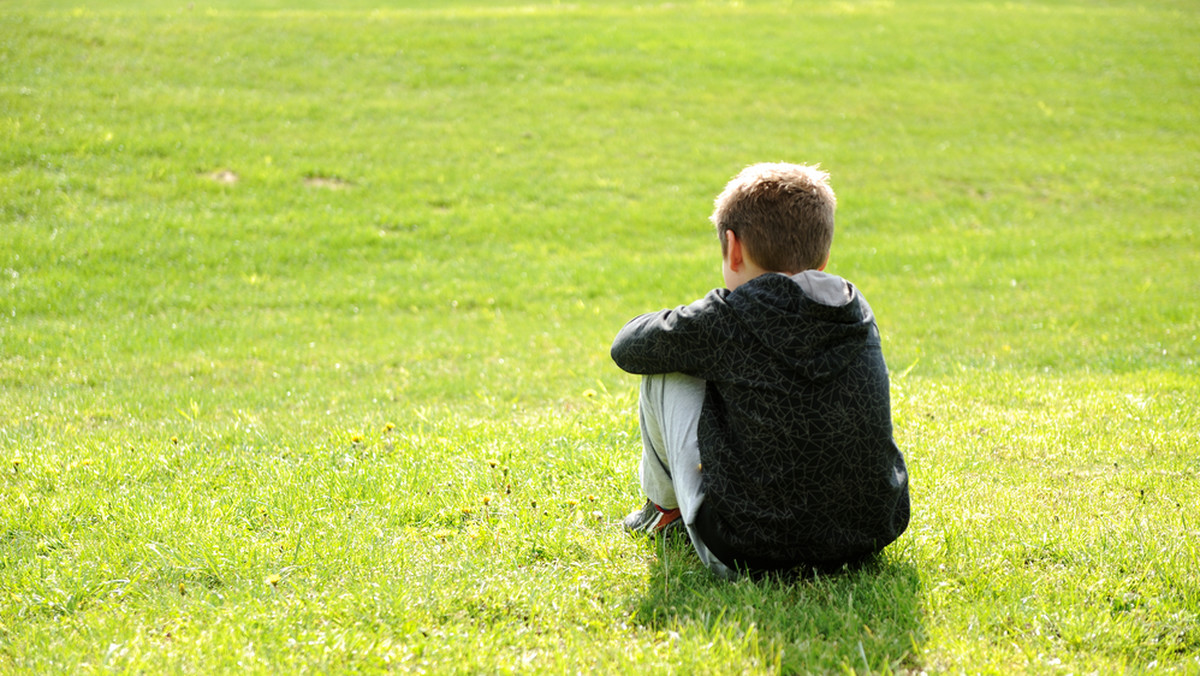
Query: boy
{"points": [[765, 414]]}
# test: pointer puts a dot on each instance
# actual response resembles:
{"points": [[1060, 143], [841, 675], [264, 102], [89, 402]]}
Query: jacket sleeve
{"points": [[687, 339]]}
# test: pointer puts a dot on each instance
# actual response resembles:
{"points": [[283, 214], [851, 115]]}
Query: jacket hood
{"points": [[814, 322]]}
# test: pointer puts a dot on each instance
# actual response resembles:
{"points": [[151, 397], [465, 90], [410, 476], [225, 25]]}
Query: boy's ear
{"points": [[734, 247], [822, 268]]}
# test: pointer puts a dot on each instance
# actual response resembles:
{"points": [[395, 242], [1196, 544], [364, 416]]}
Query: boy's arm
{"points": [[687, 339]]}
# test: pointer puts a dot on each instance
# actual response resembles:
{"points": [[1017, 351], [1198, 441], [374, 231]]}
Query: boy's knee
{"points": [[674, 384]]}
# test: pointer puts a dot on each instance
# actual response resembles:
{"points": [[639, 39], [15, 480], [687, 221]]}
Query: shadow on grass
{"points": [[867, 619]]}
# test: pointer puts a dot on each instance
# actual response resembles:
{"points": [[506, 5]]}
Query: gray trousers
{"points": [[670, 472]]}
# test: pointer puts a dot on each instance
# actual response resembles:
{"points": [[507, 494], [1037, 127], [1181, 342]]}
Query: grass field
{"points": [[305, 316]]}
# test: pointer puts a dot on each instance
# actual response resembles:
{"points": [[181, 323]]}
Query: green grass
{"points": [[353, 411]]}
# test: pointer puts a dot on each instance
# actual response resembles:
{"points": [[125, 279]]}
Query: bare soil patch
{"points": [[225, 176], [327, 182]]}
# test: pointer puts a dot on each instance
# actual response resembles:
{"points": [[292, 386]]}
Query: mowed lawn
{"points": [[305, 313]]}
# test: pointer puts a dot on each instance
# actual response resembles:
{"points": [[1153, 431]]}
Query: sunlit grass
{"points": [[305, 315]]}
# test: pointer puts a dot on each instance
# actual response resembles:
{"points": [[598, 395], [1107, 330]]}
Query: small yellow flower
{"points": [[273, 580], [356, 438], [16, 463], [492, 462], [389, 427], [487, 500], [589, 393], [175, 440], [572, 503]]}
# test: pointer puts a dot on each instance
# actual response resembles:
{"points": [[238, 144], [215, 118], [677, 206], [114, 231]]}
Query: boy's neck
{"points": [[744, 273], [737, 267]]}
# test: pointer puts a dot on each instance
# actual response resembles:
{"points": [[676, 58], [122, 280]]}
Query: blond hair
{"points": [[781, 213]]}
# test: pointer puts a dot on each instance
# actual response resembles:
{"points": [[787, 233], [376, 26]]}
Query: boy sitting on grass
{"points": [[765, 412]]}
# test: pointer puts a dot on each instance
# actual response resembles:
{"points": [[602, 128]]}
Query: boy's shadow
{"points": [[866, 618]]}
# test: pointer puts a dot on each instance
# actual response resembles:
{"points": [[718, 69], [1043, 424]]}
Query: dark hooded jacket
{"points": [[798, 461]]}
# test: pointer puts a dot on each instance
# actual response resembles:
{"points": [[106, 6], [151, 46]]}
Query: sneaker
{"points": [[653, 520]]}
